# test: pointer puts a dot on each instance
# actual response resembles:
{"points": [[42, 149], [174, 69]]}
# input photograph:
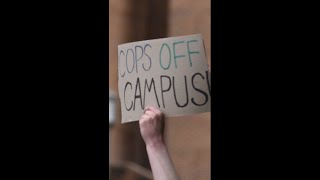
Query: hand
{"points": [[151, 128], [152, 125]]}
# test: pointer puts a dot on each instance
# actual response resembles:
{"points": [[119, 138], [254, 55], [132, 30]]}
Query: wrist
{"points": [[155, 143]]}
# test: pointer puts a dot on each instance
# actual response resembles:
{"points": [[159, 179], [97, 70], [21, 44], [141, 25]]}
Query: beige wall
{"points": [[190, 17], [188, 138]]}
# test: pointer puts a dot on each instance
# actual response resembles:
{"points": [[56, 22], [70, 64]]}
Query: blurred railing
{"points": [[125, 170]]}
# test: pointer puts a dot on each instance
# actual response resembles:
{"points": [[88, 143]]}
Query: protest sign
{"points": [[171, 74]]}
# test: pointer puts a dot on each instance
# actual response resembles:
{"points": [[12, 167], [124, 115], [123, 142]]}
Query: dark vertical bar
{"points": [[157, 19]]}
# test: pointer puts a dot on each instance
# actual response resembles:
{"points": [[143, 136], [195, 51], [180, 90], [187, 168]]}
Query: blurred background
{"points": [[187, 137]]}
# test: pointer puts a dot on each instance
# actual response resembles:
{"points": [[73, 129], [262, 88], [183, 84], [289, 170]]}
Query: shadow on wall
{"points": [[148, 20]]}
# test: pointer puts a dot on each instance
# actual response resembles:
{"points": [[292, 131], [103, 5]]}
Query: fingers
{"points": [[150, 113], [151, 124], [144, 117], [150, 107], [154, 110]]}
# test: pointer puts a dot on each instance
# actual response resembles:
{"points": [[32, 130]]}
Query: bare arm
{"points": [[151, 128]]}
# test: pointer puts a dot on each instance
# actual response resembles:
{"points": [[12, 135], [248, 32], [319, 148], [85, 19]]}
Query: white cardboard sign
{"points": [[171, 74]]}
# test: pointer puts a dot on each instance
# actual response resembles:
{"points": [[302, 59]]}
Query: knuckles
{"points": [[150, 117]]}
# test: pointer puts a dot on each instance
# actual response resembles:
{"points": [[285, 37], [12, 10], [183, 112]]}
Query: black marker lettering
{"points": [[199, 90], [164, 90], [148, 57], [149, 89], [132, 59], [120, 65], [174, 92], [208, 82], [136, 54], [128, 83], [137, 96]]}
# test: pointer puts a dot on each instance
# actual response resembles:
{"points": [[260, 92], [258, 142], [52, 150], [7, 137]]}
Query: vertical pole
{"points": [[112, 114], [109, 154]]}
